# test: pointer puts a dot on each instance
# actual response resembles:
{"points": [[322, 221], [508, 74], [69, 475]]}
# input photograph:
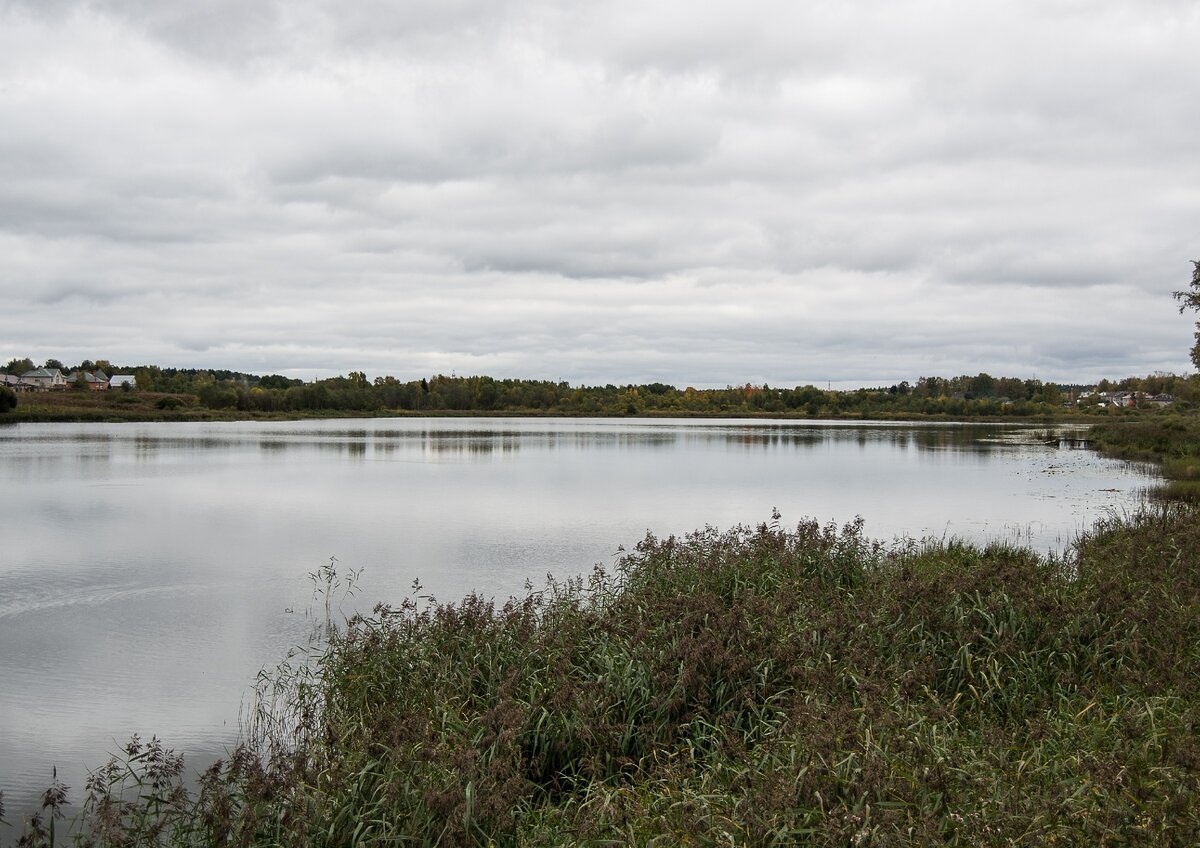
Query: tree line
{"points": [[964, 395]]}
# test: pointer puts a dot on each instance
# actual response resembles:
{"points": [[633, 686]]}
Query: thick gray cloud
{"points": [[700, 194]]}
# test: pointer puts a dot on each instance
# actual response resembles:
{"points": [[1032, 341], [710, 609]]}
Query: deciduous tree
{"points": [[1191, 300]]}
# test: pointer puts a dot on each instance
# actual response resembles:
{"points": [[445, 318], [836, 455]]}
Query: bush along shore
{"points": [[757, 686]]}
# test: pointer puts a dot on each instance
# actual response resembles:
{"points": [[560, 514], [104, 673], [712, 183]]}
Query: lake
{"points": [[149, 571]]}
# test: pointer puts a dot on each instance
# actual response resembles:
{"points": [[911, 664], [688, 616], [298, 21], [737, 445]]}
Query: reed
{"points": [[1171, 442], [754, 686], [1172, 439]]}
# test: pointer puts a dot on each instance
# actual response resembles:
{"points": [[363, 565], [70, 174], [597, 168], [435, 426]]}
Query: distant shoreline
{"points": [[91, 416], [121, 407]]}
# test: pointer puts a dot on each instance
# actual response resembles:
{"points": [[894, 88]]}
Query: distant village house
{"points": [[1127, 400], [51, 379], [96, 381], [40, 380]]}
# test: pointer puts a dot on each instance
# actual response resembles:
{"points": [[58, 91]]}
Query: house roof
{"points": [[97, 377], [41, 373]]}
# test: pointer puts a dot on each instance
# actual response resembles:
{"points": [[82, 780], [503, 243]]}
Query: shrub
{"points": [[8, 399], [218, 396]]}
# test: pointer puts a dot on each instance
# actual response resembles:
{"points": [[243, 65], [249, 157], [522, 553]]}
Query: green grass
{"points": [[758, 686], [1171, 442]]}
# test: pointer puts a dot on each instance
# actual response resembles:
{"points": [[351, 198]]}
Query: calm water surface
{"points": [[148, 571]]}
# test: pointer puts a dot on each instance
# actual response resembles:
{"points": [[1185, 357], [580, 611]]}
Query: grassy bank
{"points": [[761, 686], [71, 406], [117, 406], [1171, 442]]}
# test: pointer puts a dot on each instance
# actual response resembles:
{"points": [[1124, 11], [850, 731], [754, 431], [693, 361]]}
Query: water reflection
{"points": [[643, 436]]}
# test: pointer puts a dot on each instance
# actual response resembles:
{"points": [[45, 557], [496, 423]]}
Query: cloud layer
{"points": [[695, 193]]}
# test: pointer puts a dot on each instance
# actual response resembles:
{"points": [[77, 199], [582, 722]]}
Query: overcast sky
{"points": [[698, 193]]}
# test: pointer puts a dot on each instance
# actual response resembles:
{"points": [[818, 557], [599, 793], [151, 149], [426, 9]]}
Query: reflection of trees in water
{"points": [[471, 443], [755, 438], [359, 444], [970, 439], [477, 441], [948, 437], [897, 437], [649, 439]]}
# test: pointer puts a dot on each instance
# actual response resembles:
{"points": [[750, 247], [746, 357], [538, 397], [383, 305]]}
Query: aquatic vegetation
{"points": [[754, 686], [1174, 440], [1172, 443]]}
